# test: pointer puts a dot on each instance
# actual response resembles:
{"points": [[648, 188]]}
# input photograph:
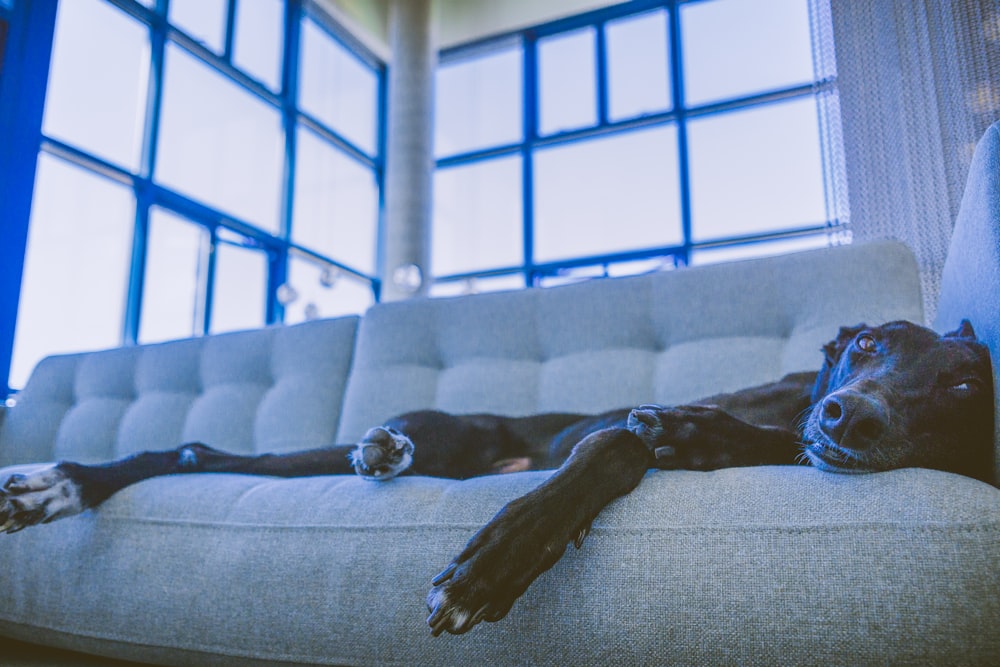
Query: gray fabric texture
{"points": [[970, 285], [778, 565], [275, 389]]}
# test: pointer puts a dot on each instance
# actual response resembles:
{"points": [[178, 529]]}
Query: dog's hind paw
{"points": [[38, 497], [382, 454]]}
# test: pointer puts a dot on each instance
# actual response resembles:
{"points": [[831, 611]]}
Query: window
{"points": [[484, 95], [477, 213], [336, 203], [259, 36], [98, 114], [634, 138], [638, 65], [607, 195], [337, 88], [188, 189], [567, 82], [74, 287], [176, 278]]}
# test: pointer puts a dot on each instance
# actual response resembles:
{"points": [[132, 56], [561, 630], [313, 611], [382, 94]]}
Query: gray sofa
{"points": [[771, 565]]}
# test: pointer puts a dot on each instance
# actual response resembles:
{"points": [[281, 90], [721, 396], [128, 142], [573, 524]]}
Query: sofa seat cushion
{"points": [[770, 565]]}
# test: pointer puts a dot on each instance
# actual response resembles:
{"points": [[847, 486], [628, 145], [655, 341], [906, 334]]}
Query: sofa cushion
{"points": [[769, 565], [274, 389], [662, 338]]}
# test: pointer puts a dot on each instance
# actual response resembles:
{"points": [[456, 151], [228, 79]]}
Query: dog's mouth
{"points": [[825, 454], [831, 458]]}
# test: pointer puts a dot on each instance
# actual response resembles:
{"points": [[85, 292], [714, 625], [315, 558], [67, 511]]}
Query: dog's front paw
{"points": [[38, 497], [497, 566], [689, 436], [382, 454]]}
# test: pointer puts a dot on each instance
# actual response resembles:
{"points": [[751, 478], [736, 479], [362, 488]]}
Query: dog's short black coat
{"points": [[893, 396]]}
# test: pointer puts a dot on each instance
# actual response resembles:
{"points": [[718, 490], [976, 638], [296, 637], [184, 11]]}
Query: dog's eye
{"points": [[865, 343]]}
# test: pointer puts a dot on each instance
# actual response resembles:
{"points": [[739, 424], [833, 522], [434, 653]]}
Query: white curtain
{"points": [[918, 84]]}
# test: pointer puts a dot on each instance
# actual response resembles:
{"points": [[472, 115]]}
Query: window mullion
{"points": [[601, 71], [143, 191], [227, 52], [530, 101], [680, 109]]}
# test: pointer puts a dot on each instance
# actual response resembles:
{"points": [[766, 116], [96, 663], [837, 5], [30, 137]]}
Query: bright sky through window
{"points": [[615, 165], [563, 152]]}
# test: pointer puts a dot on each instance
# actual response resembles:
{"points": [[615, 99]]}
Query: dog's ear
{"points": [[964, 330], [832, 352]]}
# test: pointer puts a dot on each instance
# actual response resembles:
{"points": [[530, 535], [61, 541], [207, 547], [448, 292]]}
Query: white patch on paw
{"points": [[39, 497], [437, 598], [384, 469]]}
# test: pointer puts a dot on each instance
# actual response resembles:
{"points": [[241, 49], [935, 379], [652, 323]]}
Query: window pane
{"points": [[734, 48], [239, 295], [479, 102], [477, 217], [635, 267], [763, 249], [638, 65], [219, 143], [571, 275], [101, 114], [76, 267], [336, 204], [337, 88], [567, 81], [479, 285], [323, 293], [204, 20], [257, 44], [756, 170], [173, 290], [607, 195]]}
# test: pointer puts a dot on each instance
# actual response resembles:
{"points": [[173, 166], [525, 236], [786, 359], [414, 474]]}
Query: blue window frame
{"points": [[214, 139], [647, 135]]}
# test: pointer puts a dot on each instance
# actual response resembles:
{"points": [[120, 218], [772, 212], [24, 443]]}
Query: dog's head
{"points": [[900, 395]]}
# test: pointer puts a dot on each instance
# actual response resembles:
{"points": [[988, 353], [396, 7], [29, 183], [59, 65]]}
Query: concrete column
{"points": [[409, 168]]}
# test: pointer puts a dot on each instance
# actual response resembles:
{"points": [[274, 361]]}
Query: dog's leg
{"points": [[700, 437], [65, 489], [530, 534]]}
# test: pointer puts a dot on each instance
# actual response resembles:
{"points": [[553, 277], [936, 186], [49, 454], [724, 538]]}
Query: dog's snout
{"points": [[852, 420]]}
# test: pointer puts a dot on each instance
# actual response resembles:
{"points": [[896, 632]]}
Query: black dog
{"points": [[893, 396]]}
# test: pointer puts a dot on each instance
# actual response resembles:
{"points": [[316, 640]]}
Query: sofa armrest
{"points": [[970, 284]]}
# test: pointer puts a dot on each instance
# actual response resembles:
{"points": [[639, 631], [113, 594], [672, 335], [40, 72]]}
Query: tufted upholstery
{"points": [[276, 389], [766, 565], [664, 338]]}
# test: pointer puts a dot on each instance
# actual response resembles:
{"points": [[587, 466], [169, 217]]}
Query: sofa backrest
{"points": [[666, 338], [970, 281], [273, 389]]}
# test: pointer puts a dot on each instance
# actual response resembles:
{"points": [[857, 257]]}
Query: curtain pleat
{"points": [[918, 82]]}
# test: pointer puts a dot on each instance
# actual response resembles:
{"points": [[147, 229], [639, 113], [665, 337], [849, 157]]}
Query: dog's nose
{"points": [[852, 420]]}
